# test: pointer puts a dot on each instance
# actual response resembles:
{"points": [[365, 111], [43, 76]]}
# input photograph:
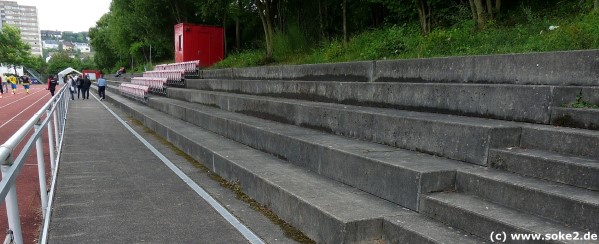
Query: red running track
{"points": [[15, 110]]}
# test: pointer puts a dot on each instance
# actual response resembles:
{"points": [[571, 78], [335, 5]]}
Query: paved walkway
{"points": [[111, 188]]}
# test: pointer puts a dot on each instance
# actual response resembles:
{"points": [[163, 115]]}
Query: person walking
{"points": [[26, 83], [52, 82], [79, 84], [1, 90], [75, 79], [4, 83], [86, 85], [13, 83], [101, 87], [71, 84]]}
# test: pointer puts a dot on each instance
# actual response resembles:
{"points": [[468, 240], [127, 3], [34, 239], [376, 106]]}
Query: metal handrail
{"points": [[55, 110]]}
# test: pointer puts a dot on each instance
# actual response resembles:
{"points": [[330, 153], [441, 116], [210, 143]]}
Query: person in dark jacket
{"points": [[79, 84], [85, 87], [52, 82], [26, 81], [1, 89]]}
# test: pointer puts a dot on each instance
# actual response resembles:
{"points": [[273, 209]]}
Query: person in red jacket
{"points": [[52, 82]]}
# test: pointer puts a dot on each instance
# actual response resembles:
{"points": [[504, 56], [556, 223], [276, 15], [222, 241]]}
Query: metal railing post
{"points": [[51, 142], [41, 169], [56, 126], [12, 207]]}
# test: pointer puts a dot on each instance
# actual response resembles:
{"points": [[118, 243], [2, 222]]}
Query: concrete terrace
{"points": [[111, 188], [442, 150]]}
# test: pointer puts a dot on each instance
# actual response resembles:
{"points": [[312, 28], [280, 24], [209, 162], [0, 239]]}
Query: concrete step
{"points": [[563, 115], [486, 219], [586, 118], [325, 210], [529, 103], [408, 228], [456, 137], [576, 68], [573, 206], [576, 171], [394, 174], [576, 142]]}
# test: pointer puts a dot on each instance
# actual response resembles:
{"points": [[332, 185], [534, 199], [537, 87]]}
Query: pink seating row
{"points": [[168, 74], [152, 82], [189, 66], [133, 90]]}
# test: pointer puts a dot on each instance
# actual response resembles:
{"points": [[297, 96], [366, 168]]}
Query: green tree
{"points": [[126, 34], [37, 63], [105, 54], [60, 61], [12, 49]]}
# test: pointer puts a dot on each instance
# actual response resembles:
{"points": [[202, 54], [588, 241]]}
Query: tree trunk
{"points": [[320, 20], [424, 17], [490, 8], [344, 23], [498, 6], [225, 32], [473, 9], [596, 4], [238, 29], [176, 12], [264, 9], [480, 14], [237, 35]]}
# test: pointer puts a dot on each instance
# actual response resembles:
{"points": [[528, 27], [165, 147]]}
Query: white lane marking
{"points": [[23, 111], [15, 101]]}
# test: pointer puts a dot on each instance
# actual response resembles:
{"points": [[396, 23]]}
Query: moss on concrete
{"points": [[288, 229]]}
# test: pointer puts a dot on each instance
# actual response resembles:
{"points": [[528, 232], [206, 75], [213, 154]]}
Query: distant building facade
{"points": [[25, 19], [48, 34], [50, 44], [82, 47]]}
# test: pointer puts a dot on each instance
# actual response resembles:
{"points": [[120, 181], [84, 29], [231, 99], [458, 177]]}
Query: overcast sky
{"points": [[68, 15]]}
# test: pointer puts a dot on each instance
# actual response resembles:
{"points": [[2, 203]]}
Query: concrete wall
{"points": [[551, 68], [123, 78]]}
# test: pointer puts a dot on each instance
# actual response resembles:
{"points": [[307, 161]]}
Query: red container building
{"points": [[93, 74], [199, 42]]}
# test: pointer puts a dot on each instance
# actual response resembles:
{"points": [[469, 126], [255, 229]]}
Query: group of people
{"points": [[79, 84], [13, 80]]}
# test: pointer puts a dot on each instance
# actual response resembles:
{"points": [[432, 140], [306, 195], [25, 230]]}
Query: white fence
{"points": [[52, 117]]}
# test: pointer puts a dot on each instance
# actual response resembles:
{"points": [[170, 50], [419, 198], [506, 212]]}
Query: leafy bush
{"points": [[242, 59], [287, 44]]}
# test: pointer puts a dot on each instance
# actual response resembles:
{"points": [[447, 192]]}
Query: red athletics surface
{"points": [[15, 110]]}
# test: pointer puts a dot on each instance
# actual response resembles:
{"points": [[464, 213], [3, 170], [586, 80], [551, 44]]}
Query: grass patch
{"points": [[580, 103], [242, 59], [288, 229], [530, 34]]}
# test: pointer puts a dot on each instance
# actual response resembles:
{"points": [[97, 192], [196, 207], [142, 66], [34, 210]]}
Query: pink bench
{"points": [[156, 84], [174, 77], [138, 92], [189, 66]]}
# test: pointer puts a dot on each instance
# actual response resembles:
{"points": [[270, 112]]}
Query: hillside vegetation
{"points": [[138, 34], [522, 32]]}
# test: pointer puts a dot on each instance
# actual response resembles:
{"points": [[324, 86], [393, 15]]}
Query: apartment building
{"points": [[24, 18]]}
